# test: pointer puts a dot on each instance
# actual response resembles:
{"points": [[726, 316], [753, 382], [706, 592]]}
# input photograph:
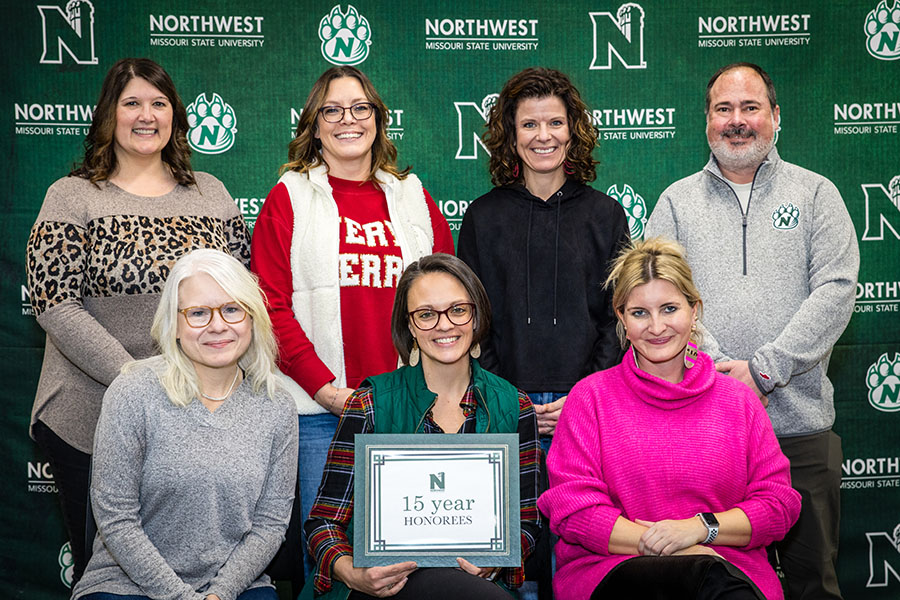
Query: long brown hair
{"points": [[500, 137], [304, 151], [99, 147]]}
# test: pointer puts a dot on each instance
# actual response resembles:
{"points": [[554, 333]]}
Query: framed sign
{"points": [[432, 498]]}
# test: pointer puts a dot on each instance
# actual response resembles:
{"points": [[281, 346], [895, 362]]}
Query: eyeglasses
{"points": [[335, 114], [201, 316], [458, 314]]}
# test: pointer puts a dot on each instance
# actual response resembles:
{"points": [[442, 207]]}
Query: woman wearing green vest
{"points": [[440, 313]]}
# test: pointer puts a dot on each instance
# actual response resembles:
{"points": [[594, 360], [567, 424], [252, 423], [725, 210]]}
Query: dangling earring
{"points": [[516, 171], [475, 351], [568, 168], [690, 351], [414, 354]]}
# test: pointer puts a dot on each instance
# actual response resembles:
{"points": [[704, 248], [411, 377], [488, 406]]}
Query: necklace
{"points": [[231, 387]]}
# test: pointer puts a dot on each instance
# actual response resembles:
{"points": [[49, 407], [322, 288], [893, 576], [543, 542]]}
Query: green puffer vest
{"points": [[401, 400]]}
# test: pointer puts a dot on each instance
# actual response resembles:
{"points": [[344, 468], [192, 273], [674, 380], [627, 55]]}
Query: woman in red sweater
{"points": [[666, 480], [329, 246]]}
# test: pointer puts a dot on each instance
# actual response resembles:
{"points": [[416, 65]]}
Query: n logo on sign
{"points": [[884, 557], [471, 119], [436, 481], [72, 31], [622, 35], [882, 209]]}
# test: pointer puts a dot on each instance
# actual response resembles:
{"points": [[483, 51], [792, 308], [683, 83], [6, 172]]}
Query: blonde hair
{"points": [[644, 261], [175, 370]]}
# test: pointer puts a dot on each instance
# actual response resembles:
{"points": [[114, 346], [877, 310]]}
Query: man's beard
{"points": [[742, 158]]}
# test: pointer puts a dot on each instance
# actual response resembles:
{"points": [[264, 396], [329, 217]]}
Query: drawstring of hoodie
{"points": [[528, 265], [555, 262], [556, 256]]}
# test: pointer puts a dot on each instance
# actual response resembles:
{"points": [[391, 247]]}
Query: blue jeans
{"points": [[258, 593], [316, 432]]}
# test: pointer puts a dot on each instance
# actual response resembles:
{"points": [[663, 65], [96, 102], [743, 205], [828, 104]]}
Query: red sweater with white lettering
{"points": [[370, 266]]}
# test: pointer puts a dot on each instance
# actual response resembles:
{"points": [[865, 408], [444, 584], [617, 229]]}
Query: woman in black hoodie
{"points": [[541, 242]]}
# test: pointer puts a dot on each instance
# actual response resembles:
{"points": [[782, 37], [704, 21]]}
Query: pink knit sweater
{"points": [[634, 445]]}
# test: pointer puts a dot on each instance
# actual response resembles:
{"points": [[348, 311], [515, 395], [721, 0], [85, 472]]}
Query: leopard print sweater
{"points": [[97, 260]]}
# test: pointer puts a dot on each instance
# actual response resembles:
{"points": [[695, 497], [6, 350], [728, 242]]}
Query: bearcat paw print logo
{"points": [[635, 209], [786, 217], [883, 31], [66, 564], [345, 36], [883, 381], [212, 123]]}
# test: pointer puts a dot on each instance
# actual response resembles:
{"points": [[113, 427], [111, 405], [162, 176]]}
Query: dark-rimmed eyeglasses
{"points": [[335, 114], [201, 316], [458, 314]]}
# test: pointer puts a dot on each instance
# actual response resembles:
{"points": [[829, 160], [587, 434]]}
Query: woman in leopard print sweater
{"points": [[98, 255]]}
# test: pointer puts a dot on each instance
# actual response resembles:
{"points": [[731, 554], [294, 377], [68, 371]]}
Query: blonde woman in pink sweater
{"points": [[666, 480]]}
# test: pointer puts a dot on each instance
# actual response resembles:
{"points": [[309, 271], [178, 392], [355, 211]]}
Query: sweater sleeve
{"points": [[271, 261], [118, 459], [271, 514], [578, 501], [662, 222], [443, 239], [771, 504], [822, 317], [56, 259]]}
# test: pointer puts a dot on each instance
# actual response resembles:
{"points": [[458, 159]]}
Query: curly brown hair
{"points": [[99, 146], [305, 150], [500, 137]]}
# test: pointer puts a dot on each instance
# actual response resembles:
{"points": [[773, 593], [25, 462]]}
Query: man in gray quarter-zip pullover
{"points": [[775, 257]]}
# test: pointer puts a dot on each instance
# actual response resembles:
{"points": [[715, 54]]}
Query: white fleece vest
{"points": [[314, 259]]}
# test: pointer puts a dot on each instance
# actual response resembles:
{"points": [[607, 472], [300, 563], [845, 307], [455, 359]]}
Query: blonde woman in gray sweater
{"points": [[195, 457]]}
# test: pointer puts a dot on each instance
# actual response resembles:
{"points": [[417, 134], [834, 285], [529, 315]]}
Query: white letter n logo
{"points": [[72, 31], [622, 35]]}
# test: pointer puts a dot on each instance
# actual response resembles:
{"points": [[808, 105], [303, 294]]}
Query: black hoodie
{"points": [[543, 264]]}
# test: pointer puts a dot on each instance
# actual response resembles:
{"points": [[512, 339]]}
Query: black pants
{"points": [[676, 578], [444, 584], [808, 553], [71, 469]]}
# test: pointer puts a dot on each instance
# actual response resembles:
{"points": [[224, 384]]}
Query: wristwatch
{"points": [[712, 526]]}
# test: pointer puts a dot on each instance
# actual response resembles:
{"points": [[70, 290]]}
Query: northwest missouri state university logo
{"points": [[863, 118], [345, 36], [882, 210], [883, 381], [213, 125], [883, 31], [621, 35], [884, 558], [197, 31], [481, 35], [53, 118], [634, 123], [743, 31], [471, 119], [635, 209], [72, 31]]}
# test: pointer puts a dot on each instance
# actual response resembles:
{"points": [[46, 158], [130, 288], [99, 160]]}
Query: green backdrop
{"points": [[642, 68]]}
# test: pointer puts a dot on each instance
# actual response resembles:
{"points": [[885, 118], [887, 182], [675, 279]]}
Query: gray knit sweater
{"points": [[778, 283], [188, 502], [97, 259]]}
